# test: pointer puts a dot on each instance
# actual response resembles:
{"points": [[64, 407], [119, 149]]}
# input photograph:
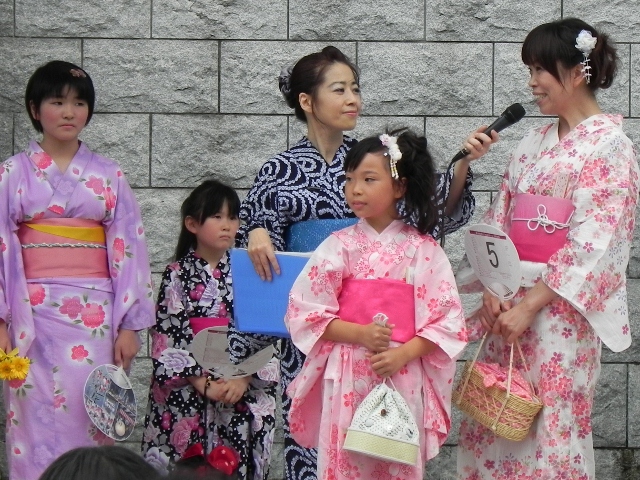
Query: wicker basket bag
{"points": [[506, 414]]}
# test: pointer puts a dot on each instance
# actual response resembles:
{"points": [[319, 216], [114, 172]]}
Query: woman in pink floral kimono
{"points": [[75, 285], [568, 202], [381, 265]]}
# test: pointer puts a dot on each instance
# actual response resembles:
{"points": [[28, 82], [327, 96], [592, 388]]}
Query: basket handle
{"points": [[509, 375], [475, 358]]}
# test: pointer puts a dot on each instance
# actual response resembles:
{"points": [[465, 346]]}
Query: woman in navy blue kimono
{"points": [[307, 182]]}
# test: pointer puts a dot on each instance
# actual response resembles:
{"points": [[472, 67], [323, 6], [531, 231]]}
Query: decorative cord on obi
{"points": [[63, 245], [542, 220]]}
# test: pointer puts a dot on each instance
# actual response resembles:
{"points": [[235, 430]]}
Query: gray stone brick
{"points": [[276, 471], [6, 18], [620, 19], [635, 81], [443, 466], [174, 76], [19, 57], [610, 407], [23, 132], [140, 377], [634, 406], [361, 20], [125, 139], [220, 20], [6, 136], [632, 354], [249, 73], [83, 18], [619, 464], [426, 79], [477, 20], [231, 148], [161, 218]]}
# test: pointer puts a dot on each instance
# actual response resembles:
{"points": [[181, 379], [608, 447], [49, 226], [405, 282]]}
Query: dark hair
{"points": [[555, 42], [415, 167], [100, 463], [51, 80], [204, 201], [308, 74]]}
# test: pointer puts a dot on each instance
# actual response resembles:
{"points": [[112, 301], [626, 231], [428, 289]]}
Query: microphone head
{"points": [[514, 113]]}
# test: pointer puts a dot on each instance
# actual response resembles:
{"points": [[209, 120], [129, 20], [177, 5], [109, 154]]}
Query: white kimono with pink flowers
{"points": [[337, 376], [66, 325], [595, 167]]}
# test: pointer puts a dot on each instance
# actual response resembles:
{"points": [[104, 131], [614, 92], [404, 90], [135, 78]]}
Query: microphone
{"points": [[511, 115]]}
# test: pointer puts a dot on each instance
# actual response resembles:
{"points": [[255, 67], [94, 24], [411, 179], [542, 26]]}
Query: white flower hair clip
{"points": [[586, 42], [394, 153]]}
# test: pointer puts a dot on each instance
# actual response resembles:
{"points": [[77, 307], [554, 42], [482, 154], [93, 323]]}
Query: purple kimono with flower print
{"points": [[66, 325], [596, 168]]}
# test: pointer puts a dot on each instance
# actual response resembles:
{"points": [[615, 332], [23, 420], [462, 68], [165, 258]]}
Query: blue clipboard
{"points": [[260, 306]]}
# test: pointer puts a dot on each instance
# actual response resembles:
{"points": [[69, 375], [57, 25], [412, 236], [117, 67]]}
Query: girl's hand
{"points": [[216, 390], [126, 347], [491, 309], [388, 363], [5, 339], [261, 253], [236, 389], [478, 143], [375, 337]]}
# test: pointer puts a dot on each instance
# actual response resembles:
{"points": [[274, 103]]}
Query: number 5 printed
{"points": [[493, 253]]}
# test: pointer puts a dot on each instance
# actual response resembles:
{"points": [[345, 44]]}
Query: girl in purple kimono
{"points": [[75, 285], [381, 265]]}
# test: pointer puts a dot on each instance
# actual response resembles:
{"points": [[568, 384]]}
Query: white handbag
{"points": [[383, 427]]}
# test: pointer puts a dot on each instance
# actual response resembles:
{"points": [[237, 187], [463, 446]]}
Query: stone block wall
{"points": [[188, 90]]}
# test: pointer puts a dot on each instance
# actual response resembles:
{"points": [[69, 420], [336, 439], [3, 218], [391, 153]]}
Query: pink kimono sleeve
{"points": [[313, 300], [134, 308]]}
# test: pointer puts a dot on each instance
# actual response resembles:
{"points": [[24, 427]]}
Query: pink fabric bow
{"points": [[496, 375]]}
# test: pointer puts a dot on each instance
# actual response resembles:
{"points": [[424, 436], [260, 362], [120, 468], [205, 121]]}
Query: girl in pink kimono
{"points": [[568, 202], [75, 285], [380, 265]]}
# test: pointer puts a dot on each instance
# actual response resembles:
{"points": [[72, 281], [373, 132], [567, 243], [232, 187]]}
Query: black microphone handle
{"points": [[498, 125]]}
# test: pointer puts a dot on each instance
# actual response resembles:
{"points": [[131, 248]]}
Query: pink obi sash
{"points": [[360, 300], [200, 323], [540, 225], [63, 247]]}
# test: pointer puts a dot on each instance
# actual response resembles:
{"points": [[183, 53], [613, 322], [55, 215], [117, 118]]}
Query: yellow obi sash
{"points": [[63, 247]]}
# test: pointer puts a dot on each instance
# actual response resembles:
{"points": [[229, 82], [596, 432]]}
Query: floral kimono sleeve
{"points": [[171, 335], [313, 300], [438, 310], [592, 263], [5, 235], [128, 258], [260, 208]]}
